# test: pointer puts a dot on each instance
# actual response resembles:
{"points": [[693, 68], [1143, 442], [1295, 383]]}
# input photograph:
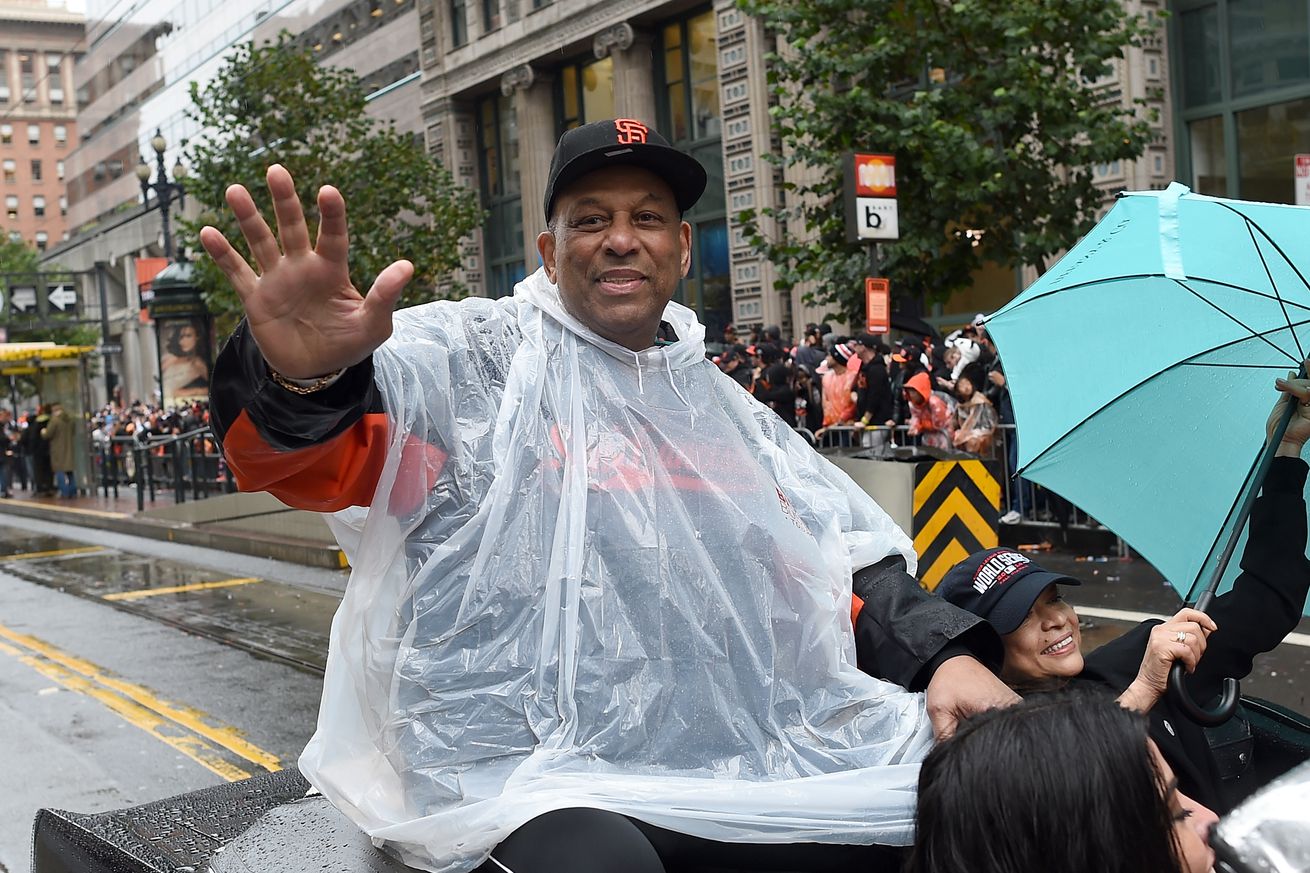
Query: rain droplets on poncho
{"points": [[598, 577]]}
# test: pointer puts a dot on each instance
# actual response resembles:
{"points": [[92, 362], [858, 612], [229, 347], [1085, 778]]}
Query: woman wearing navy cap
{"points": [[1043, 646]]}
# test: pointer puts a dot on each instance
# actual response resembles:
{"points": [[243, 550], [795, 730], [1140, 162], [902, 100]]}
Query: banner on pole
{"points": [[878, 305]]}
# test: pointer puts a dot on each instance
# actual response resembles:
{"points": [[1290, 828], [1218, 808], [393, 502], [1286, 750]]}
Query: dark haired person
{"points": [[774, 387], [1067, 782], [975, 417], [873, 390], [1043, 645], [598, 616]]}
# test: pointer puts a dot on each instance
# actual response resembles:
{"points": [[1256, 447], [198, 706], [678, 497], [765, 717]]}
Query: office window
{"points": [[42, 240], [585, 92], [27, 76], [498, 147], [690, 115], [6, 134], [63, 205], [59, 170], [54, 78], [11, 205], [691, 78], [11, 170], [15, 236], [1269, 44], [36, 171], [34, 134], [490, 15], [38, 206], [61, 134], [459, 28], [4, 77]]}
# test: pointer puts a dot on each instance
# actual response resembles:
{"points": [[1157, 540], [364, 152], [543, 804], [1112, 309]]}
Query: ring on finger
{"points": [[1181, 636]]}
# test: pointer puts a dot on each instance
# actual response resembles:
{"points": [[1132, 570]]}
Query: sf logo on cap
{"points": [[630, 131]]}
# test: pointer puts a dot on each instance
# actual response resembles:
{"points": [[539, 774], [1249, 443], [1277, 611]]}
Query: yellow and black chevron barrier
{"points": [[956, 504]]}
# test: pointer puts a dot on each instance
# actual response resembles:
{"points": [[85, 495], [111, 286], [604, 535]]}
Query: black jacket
{"points": [[1263, 607], [874, 392], [775, 390]]}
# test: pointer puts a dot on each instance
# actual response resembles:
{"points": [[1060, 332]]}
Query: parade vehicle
{"points": [[277, 823]]}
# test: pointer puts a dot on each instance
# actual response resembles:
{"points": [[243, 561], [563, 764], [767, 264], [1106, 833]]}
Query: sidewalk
{"points": [[247, 524]]}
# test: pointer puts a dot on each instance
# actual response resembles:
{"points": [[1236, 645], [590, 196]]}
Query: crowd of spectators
{"points": [[859, 390], [948, 393], [38, 445]]}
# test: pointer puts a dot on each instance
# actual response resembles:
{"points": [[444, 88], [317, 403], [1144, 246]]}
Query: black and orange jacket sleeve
{"points": [[903, 633], [322, 451]]}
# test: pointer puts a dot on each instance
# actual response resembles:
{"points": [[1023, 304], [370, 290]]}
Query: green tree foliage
{"points": [[18, 257], [990, 108], [273, 104]]}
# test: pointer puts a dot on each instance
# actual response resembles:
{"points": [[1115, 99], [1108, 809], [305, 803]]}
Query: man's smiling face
{"points": [[617, 251]]}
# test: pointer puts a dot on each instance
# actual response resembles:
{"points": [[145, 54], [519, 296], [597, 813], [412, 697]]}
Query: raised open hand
{"points": [[304, 313]]}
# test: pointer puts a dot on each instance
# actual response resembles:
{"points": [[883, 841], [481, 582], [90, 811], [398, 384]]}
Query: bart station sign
{"points": [[869, 191]]}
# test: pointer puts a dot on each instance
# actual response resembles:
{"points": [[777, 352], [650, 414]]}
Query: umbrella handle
{"points": [[1205, 717], [1228, 701]]}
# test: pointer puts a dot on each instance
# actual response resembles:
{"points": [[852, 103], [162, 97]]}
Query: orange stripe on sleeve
{"points": [[332, 475]]}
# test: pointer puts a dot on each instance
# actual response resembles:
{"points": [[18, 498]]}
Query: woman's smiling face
{"points": [[1047, 646]]}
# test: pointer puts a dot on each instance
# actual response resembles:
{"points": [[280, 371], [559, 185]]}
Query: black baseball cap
{"points": [[1000, 585], [867, 340], [623, 141]]}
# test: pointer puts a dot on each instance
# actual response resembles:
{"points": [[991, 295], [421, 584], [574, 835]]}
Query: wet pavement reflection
{"points": [[268, 618]]}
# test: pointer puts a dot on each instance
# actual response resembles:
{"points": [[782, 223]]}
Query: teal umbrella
{"points": [[1141, 369]]}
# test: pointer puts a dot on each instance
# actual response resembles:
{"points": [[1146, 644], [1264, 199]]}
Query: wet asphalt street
{"points": [[126, 678], [131, 669]]}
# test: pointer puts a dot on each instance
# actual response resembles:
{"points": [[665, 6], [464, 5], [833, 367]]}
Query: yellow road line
{"points": [[52, 553], [192, 746], [73, 510], [175, 589], [180, 715]]}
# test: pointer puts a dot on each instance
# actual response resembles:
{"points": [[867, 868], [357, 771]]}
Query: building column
{"points": [[752, 182], [634, 70], [534, 108], [452, 139]]}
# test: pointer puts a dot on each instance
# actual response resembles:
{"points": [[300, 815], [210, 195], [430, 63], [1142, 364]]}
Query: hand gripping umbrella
{"points": [[1140, 368]]}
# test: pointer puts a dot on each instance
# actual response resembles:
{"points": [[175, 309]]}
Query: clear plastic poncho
{"points": [[606, 578]]}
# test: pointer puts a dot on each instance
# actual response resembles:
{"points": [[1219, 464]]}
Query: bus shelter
{"points": [[59, 374]]}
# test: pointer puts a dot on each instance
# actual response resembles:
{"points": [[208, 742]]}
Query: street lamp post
{"points": [[164, 188]]}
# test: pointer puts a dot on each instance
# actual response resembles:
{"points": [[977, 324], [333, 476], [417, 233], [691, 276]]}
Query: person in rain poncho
{"points": [[600, 610]]}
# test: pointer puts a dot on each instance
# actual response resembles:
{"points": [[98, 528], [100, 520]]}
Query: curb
{"points": [[295, 551]]}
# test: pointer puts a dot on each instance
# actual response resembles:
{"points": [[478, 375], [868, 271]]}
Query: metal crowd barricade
{"points": [[1034, 504], [188, 465]]}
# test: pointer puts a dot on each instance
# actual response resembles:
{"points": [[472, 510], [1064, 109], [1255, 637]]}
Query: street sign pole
{"points": [[101, 269], [869, 196]]}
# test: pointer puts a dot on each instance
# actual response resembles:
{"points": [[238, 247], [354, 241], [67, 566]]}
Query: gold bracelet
{"points": [[317, 385]]}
